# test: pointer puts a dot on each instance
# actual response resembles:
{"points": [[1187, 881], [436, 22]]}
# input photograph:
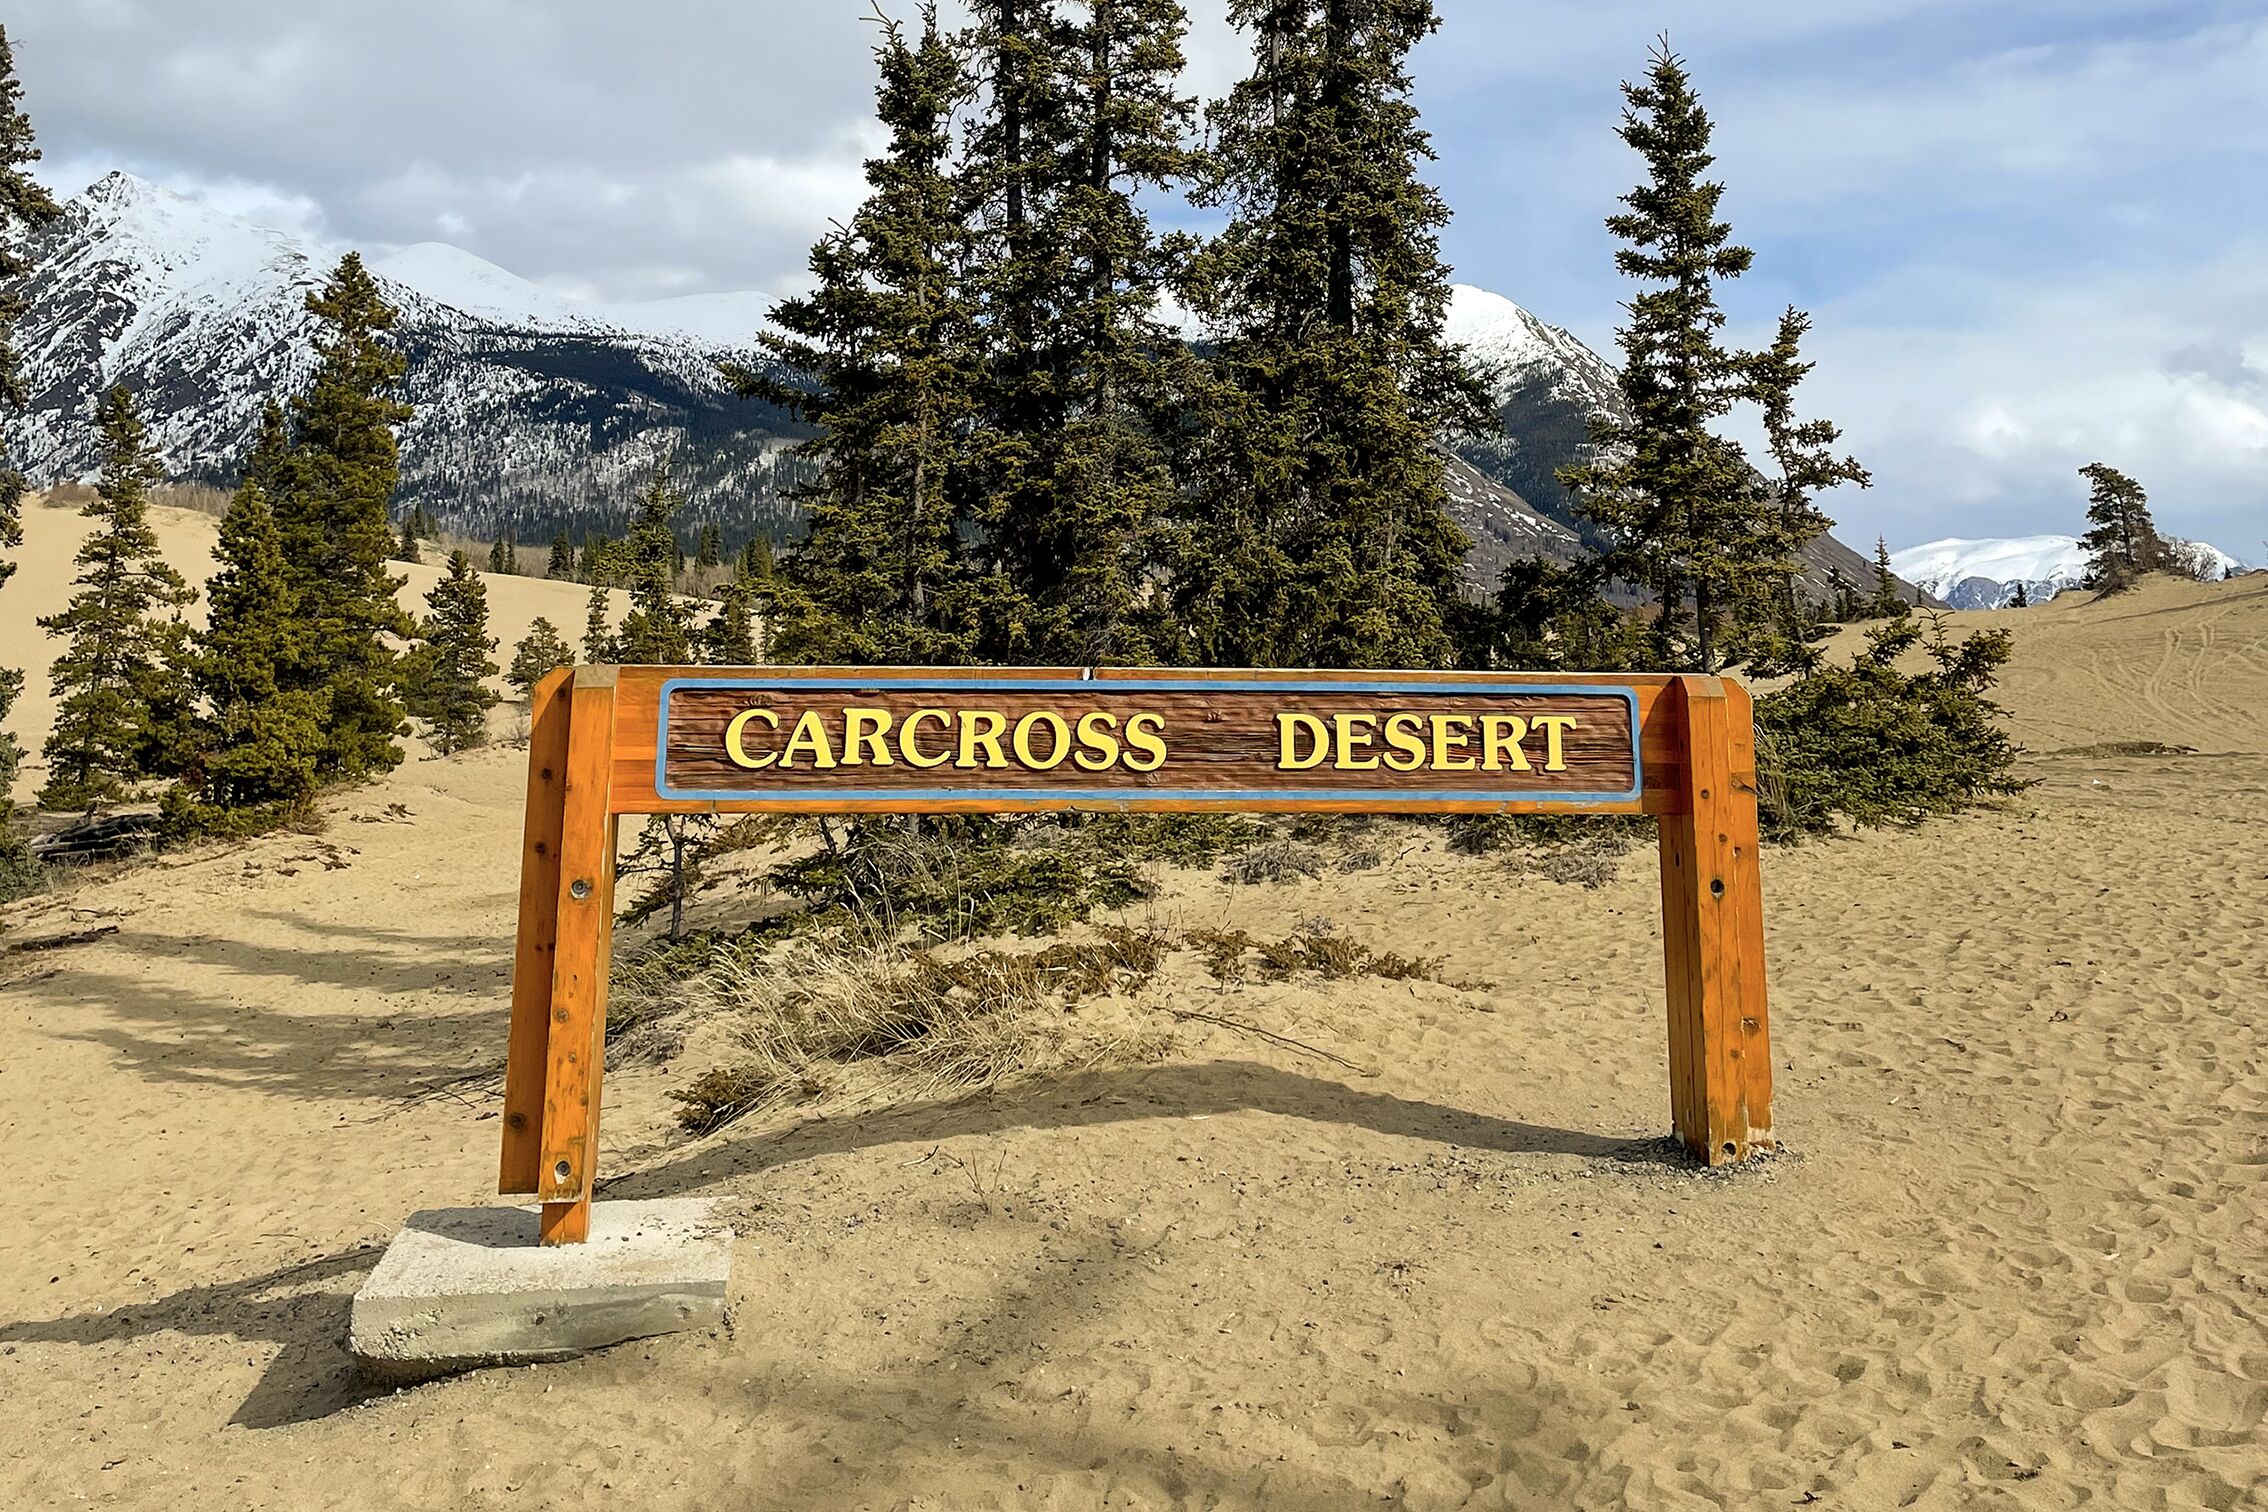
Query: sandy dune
{"points": [[42, 586], [2015, 1260]]}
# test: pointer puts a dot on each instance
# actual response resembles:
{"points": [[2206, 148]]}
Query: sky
{"points": [[2033, 234]]}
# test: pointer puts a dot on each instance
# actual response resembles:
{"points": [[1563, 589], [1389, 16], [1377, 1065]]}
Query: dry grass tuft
{"points": [[1274, 861], [927, 1023]]}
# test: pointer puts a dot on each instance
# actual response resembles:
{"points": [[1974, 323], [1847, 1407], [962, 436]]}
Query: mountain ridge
{"points": [[1986, 573], [537, 411]]}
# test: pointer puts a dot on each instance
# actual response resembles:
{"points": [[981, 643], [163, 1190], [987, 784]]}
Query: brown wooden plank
{"points": [[1713, 937], [638, 717], [1095, 741], [585, 910], [526, 1058]]}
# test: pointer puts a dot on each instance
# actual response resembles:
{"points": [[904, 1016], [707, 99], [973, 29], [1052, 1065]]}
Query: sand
{"points": [[2014, 1260], [42, 585]]}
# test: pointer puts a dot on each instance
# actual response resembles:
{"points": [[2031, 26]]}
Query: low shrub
{"points": [[1877, 746]]}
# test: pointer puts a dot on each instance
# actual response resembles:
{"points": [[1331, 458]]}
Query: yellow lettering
{"points": [[1059, 740], [1098, 746], [981, 730], [1451, 732], [1145, 733], [1348, 726], [1405, 737], [1288, 726], [863, 730], [914, 754], [810, 737], [1501, 735], [735, 734], [1555, 728]]}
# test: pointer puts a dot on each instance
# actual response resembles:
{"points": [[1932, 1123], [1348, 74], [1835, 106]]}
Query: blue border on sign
{"points": [[820, 799]]}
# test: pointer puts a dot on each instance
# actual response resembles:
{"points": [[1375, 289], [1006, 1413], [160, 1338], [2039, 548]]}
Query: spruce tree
{"points": [[539, 652], [496, 555], [756, 562], [657, 632], [2124, 543], [1888, 602], [1685, 514], [1073, 444], [711, 550], [119, 680], [449, 670], [601, 569], [268, 465], [885, 352], [2023, 598], [258, 741], [1317, 532], [407, 551], [340, 472], [1771, 626], [25, 206], [561, 567], [729, 638]]}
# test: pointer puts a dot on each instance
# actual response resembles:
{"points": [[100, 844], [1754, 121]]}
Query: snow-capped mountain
{"points": [[534, 410], [1546, 384], [1986, 574]]}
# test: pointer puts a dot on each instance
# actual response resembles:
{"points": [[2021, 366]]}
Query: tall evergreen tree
{"points": [[330, 504], [729, 638], [1318, 531], [539, 652], [561, 567], [1686, 514], [25, 206], [407, 551], [1888, 602], [258, 742], [1772, 627], [885, 347], [711, 549], [448, 672], [601, 569], [756, 562], [657, 632], [1073, 442], [119, 680], [496, 555], [2124, 543]]}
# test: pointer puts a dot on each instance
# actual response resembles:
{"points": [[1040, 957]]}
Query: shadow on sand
{"points": [[302, 1309]]}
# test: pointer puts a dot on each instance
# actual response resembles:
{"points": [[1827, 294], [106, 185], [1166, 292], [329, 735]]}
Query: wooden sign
{"points": [[1248, 743], [608, 741]]}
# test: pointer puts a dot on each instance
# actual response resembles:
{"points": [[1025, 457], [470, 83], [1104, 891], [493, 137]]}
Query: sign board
{"points": [[1225, 741], [609, 741]]}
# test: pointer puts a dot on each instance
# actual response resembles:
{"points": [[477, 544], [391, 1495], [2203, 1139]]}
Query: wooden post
{"points": [[1713, 933], [526, 1060], [575, 1054]]}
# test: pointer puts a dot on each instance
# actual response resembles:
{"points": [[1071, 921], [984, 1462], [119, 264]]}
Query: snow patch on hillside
{"points": [[476, 287], [1518, 349], [1984, 574]]}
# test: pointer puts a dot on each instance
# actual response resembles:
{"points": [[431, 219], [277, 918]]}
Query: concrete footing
{"points": [[461, 1288]]}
